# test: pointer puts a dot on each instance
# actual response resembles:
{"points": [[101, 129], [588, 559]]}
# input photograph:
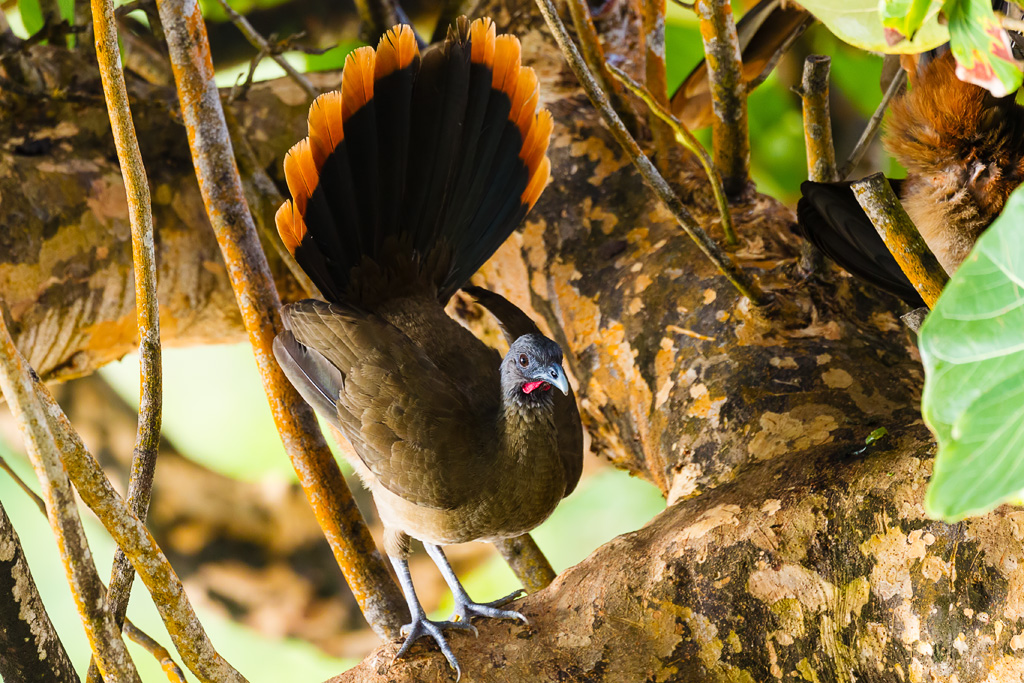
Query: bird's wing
{"points": [[514, 324], [829, 217], [412, 427]]}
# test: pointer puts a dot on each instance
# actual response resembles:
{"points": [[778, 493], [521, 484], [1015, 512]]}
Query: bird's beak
{"points": [[555, 376]]}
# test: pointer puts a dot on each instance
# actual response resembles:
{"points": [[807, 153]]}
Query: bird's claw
{"points": [[435, 629], [465, 610]]}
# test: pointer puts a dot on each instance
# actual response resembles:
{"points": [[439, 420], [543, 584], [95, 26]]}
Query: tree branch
{"points": [[30, 648], [743, 284], [103, 634], [221, 188], [899, 81], [729, 133], [821, 153], [900, 235], [159, 652], [147, 438], [593, 55], [261, 44], [685, 138], [131, 535], [527, 561], [136, 634]]}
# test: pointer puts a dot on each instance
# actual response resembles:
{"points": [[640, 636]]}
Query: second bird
{"points": [[411, 177]]}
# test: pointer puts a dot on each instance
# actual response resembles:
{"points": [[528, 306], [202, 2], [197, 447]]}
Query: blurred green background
{"points": [[227, 426]]}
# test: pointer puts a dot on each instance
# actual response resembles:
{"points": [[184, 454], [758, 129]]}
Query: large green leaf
{"points": [[860, 23], [981, 47], [904, 17], [972, 346]]}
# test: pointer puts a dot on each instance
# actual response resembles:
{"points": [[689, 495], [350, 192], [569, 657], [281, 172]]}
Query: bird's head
{"points": [[531, 367]]}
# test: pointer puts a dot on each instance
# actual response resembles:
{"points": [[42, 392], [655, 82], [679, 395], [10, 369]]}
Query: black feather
{"points": [[393, 97], [829, 216]]}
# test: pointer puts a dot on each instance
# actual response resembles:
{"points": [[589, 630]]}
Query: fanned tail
{"points": [[419, 168]]}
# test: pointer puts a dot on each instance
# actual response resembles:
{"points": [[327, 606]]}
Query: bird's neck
{"points": [[527, 427], [533, 478]]}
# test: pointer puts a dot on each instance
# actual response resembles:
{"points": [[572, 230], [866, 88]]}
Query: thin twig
{"points": [[132, 536], [735, 275], [687, 140], [821, 153], [730, 136], [24, 486], [239, 91], [32, 648], [214, 160], [898, 81], [918, 263], [140, 56], [147, 311], [263, 198], [377, 16], [527, 562], [593, 55], [51, 13], [261, 44], [159, 652], [131, 630], [83, 22], [62, 511], [656, 78]]}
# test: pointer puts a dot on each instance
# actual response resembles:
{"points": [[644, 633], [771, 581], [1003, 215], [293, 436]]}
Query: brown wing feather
{"points": [[408, 422]]}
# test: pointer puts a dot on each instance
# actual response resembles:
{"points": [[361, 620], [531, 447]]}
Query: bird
{"points": [[410, 178], [964, 154]]}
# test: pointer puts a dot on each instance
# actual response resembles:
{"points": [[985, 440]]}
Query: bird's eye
{"points": [[523, 360]]}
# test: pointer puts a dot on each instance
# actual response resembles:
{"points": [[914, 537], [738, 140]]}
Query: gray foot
{"points": [[421, 626], [465, 609]]}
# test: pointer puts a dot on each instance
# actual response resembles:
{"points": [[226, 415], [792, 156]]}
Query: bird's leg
{"points": [[464, 607], [421, 626]]}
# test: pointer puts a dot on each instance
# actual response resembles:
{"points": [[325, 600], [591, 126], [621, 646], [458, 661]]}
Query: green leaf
{"points": [[972, 346], [860, 23], [31, 15], [981, 47], [905, 17], [876, 436]]}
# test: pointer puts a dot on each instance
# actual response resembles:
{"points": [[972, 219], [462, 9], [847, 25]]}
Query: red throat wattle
{"points": [[529, 387]]}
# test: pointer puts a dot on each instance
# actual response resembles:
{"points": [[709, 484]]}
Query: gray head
{"points": [[531, 367]]}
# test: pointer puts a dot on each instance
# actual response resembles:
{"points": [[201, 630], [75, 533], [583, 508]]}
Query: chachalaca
{"points": [[411, 177], [964, 154]]}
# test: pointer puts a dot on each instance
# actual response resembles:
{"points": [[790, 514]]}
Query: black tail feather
{"points": [[437, 163]]}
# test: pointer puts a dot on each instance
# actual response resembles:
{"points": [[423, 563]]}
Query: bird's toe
{"points": [[466, 610], [424, 627]]}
